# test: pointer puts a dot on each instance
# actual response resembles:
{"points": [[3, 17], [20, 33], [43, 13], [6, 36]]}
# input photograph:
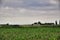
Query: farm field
{"points": [[27, 33]]}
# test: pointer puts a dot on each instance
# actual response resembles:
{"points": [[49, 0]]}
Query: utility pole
{"points": [[59, 22], [59, 8], [55, 22]]}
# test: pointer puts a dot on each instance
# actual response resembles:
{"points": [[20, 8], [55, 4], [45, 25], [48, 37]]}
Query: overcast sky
{"points": [[28, 11]]}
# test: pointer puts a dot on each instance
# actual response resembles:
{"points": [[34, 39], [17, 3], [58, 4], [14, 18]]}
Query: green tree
{"points": [[39, 22]]}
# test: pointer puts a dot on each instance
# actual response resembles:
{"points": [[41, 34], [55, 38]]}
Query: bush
{"points": [[58, 38]]}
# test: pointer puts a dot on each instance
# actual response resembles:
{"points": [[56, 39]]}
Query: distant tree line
{"points": [[35, 24], [39, 23]]}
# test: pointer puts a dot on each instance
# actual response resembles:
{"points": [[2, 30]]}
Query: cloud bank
{"points": [[28, 11]]}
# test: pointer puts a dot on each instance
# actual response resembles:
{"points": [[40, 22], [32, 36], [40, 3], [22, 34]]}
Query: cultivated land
{"points": [[30, 33]]}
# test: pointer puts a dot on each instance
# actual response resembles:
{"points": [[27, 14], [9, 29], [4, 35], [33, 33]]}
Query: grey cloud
{"points": [[31, 4], [0, 3], [27, 13], [29, 10]]}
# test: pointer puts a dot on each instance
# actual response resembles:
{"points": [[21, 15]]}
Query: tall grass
{"points": [[30, 33]]}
